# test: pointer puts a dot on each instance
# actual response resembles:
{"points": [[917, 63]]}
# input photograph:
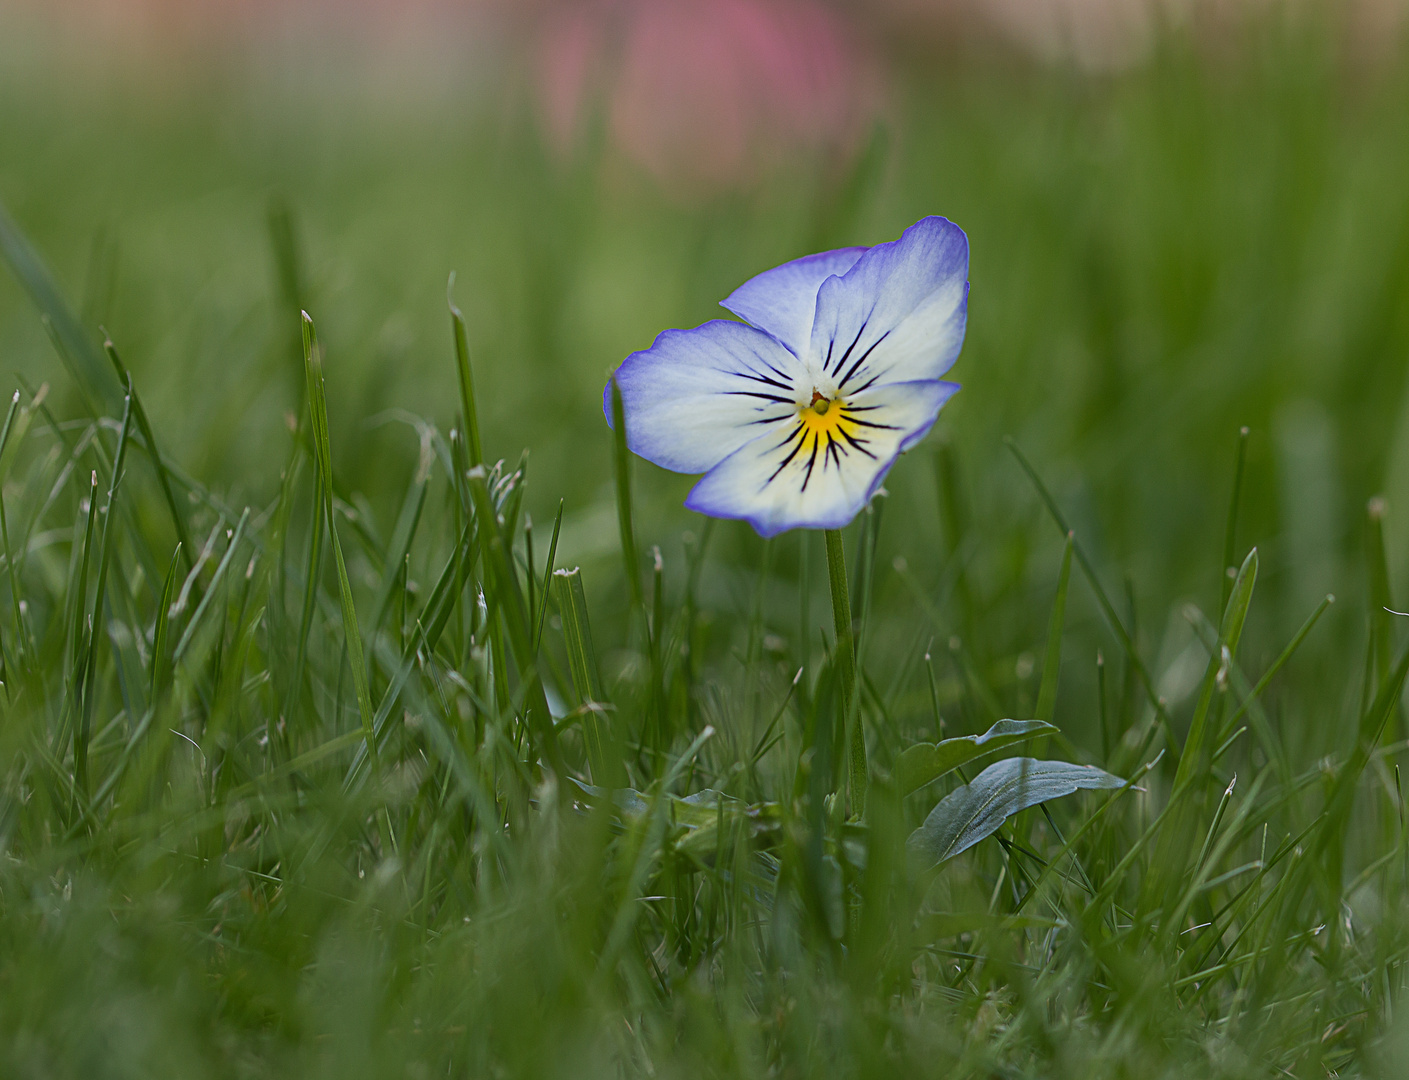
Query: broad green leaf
{"points": [[977, 810], [924, 762]]}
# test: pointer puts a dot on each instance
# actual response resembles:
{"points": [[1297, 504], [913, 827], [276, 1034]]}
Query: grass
{"points": [[323, 754]]}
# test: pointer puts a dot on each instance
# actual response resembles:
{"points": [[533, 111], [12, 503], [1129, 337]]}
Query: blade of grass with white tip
{"points": [[78, 591], [16, 428], [530, 578], [547, 579], [222, 568], [504, 580], [512, 504], [318, 414], [656, 629], [571, 601], [96, 621], [161, 630], [586, 675], [144, 428]]}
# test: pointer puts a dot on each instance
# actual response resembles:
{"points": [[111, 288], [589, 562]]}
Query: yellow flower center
{"points": [[828, 419], [828, 430]]}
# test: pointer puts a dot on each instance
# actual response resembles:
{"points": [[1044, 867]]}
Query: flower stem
{"points": [[846, 666]]}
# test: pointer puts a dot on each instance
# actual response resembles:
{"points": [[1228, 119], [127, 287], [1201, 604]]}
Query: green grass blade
{"points": [[954, 522], [1089, 571], [78, 609], [1197, 746], [1381, 602], [625, 525], [505, 584], [846, 668], [16, 428], [76, 347], [162, 629], [407, 522], [144, 428], [222, 568], [547, 579], [512, 504], [571, 601], [1235, 614], [96, 622], [318, 413], [466, 376], [1230, 531], [1052, 661], [1281, 660], [586, 675], [313, 568], [10, 569], [934, 697], [429, 626]]}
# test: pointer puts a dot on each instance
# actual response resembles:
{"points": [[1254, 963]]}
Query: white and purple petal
{"points": [[788, 479], [898, 314], [696, 396], [783, 300]]}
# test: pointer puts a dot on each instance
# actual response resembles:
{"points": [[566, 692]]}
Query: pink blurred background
{"points": [[702, 95]]}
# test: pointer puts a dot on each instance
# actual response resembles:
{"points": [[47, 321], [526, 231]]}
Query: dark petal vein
{"points": [[795, 450], [845, 355], [858, 443], [811, 461], [762, 397], [856, 366]]}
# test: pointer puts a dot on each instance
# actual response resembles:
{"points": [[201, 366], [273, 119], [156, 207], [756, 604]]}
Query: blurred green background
{"points": [[1175, 233], [1209, 234]]}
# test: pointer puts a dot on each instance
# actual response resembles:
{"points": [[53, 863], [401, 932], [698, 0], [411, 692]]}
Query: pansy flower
{"points": [[796, 415]]}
